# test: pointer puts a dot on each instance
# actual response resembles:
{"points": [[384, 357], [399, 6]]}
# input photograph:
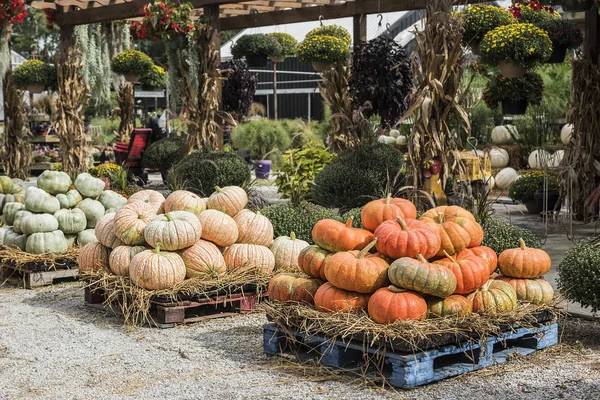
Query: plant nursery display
{"points": [[132, 64], [479, 19], [325, 47], [163, 21], [256, 48], [34, 76]]}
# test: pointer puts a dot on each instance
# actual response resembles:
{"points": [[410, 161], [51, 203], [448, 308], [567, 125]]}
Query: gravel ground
{"points": [[52, 346]]}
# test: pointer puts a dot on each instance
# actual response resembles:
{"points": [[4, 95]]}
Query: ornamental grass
{"points": [[525, 45]]}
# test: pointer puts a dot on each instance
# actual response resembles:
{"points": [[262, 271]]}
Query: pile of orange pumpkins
{"points": [[160, 242], [403, 268]]}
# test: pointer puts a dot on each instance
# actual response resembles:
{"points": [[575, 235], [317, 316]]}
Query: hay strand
{"points": [[19, 259]]}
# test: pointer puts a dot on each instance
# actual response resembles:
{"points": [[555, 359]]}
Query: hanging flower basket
{"points": [[277, 59], [513, 94], [577, 5], [35, 88], [256, 48], [34, 76], [133, 78], [524, 45], [323, 51], [510, 70], [132, 64], [285, 45], [512, 107], [564, 35]]}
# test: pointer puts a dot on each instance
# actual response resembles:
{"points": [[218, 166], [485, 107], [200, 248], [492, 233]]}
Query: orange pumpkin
{"points": [[452, 305], [93, 257], [253, 228], [259, 258], [230, 199], [155, 269], [453, 211], [120, 258], [524, 262], [182, 200], [203, 258], [151, 197], [536, 291], [311, 261], [328, 298], [335, 236], [495, 297], [130, 221], [471, 271], [291, 287], [390, 304], [489, 255], [357, 271], [457, 231], [218, 227], [423, 277], [105, 231], [376, 212], [399, 238]]}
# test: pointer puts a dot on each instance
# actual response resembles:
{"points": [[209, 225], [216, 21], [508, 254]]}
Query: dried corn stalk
{"points": [[16, 151], [126, 102], [72, 98], [437, 69]]}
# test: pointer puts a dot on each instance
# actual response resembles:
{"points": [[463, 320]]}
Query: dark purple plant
{"points": [[238, 89], [381, 75]]}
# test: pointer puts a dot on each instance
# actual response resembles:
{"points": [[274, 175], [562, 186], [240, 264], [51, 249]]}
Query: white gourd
{"points": [[402, 140], [556, 158], [566, 133], [394, 133], [501, 135], [498, 157], [538, 159], [505, 178]]}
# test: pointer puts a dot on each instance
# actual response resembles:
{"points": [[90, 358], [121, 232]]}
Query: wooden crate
{"points": [[476, 167], [33, 277]]}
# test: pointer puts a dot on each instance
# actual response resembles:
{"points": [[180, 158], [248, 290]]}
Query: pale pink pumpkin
{"points": [[105, 231], [218, 228], [286, 250], [151, 197], [182, 200], [253, 228], [251, 256], [203, 259], [93, 257], [120, 258], [175, 230], [230, 199], [155, 270], [130, 221]]}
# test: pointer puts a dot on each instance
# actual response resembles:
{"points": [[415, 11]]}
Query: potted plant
{"points": [[156, 78], [516, 47], [576, 5], [262, 138], [479, 19], [529, 190], [564, 35], [164, 21], [238, 89], [514, 93], [285, 46], [132, 64], [34, 76], [532, 11], [331, 30], [256, 48], [323, 52]]}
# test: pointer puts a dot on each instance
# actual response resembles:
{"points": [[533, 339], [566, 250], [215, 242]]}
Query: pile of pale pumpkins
{"points": [[56, 214], [158, 243]]}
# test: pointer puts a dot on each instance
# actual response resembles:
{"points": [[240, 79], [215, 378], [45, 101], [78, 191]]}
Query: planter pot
{"points": [[514, 107], [277, 59], [34, 89], [262, 168], [577, 5], [558, 55], [133, 78], [257, 61], [321, 66], [510, 70], [532, 206], [553, 196]]}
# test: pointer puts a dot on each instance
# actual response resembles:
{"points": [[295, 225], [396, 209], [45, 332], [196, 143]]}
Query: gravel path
{"points": [[52, 346]]}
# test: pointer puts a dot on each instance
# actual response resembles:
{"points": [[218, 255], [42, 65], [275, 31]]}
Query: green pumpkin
{"points": [[46, 242], [93, 209], [112, 200], [13, 239], [110, 210], [9, 211], [20, 216], [86, 237], [71, 221], [89, 186], [422, 277], [39, 223], [69, 199], [38, 201], [70, 240], [6, 184], [54, 182]]}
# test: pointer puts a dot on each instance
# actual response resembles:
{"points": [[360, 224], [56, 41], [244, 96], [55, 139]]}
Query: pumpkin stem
{"points": [[421, 258], [365, 251], [402, 223], [440, 218], [292, 236], [449, 256], [218, 189], [157, 248], [388, 199], [168, 217], [396, 289], [522, 244], [349, 222]]}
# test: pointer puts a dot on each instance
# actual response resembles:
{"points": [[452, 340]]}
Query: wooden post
{"points": [[211, 13], [592, 34], [276, 115], [360, 28]]}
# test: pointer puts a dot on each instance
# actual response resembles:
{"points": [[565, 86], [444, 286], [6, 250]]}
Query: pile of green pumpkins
{"points": [[56, 214]]}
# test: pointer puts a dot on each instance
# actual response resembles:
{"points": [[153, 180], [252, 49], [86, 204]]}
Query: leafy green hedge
{"points": [[579, 274], [499, 234]]}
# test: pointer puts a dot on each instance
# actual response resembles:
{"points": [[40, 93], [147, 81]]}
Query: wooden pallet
{"points": [[167, 314], [34, 277], [407, 370]]}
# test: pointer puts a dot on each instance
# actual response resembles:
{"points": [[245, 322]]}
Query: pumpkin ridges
{"points": [[423, 277], [329, 298], [311, 261], [523, 262], [203, 257], [336, 237]]}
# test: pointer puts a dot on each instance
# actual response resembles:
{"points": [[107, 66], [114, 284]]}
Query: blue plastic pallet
{"points": [[407, 370]]}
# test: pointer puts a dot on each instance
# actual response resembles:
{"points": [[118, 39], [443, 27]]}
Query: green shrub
{"points": [[358, 176], [579, 274], [260, 137], [162, 155], [500, 234], [355, 212], [299, 219], [299, 170], [200, 172], [524, 188]]}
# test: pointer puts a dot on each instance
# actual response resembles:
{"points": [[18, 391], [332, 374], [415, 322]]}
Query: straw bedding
{"points": [[21, 260]]}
